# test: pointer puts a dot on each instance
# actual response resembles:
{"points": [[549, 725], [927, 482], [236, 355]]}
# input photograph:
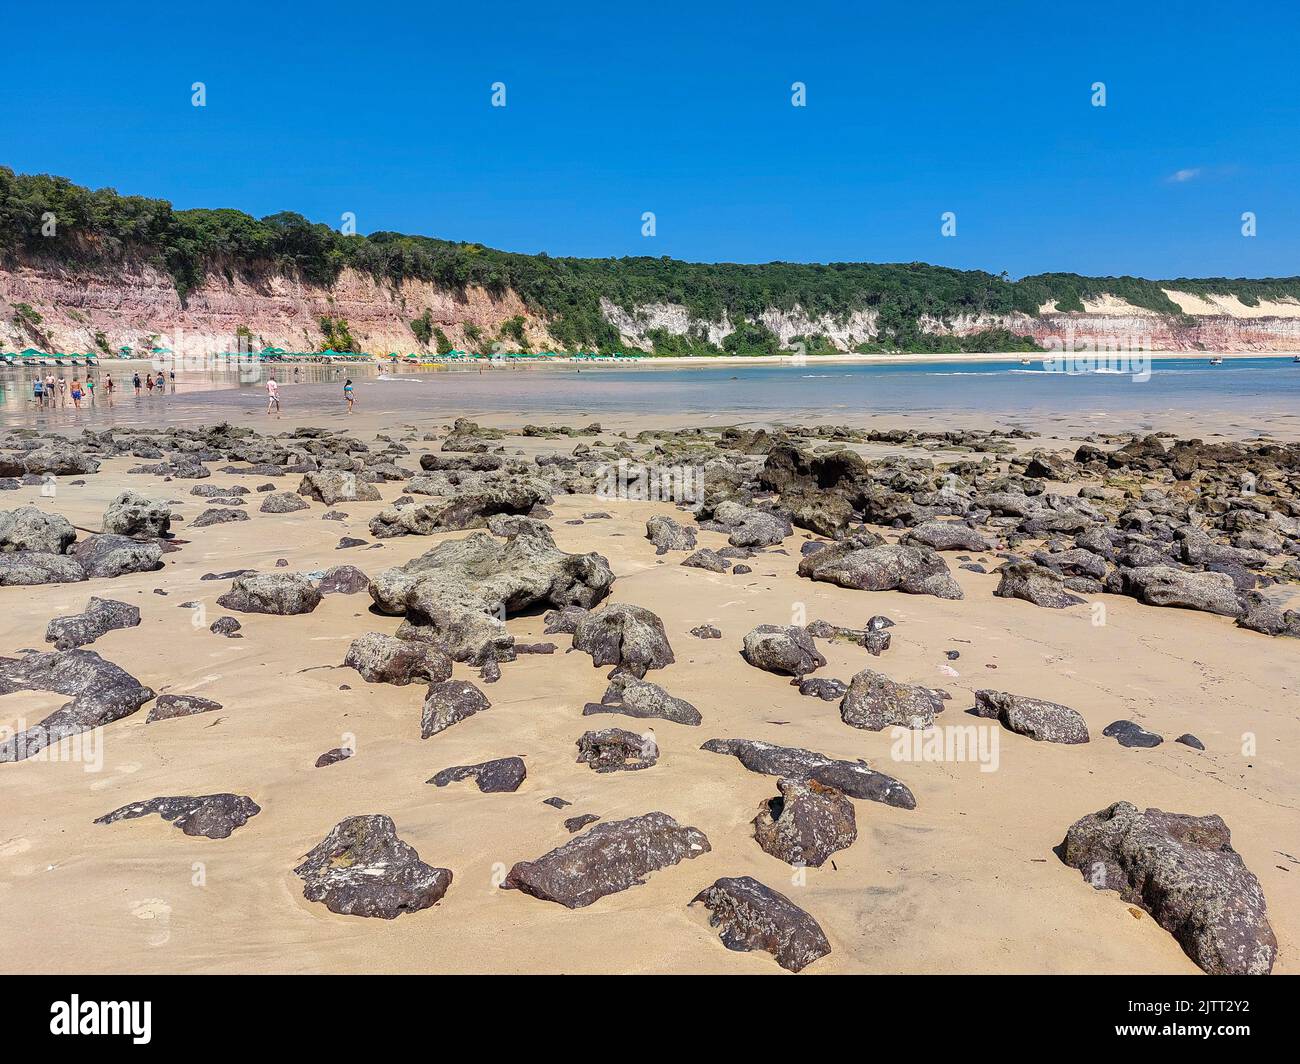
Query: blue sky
{"points": [[912, 110]]}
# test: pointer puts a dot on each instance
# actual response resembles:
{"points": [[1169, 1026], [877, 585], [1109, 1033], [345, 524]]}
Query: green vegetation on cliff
{"points": [[52, 219]]}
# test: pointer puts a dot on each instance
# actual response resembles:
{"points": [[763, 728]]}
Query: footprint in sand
{"points": [[160, 913], [13, 847]]}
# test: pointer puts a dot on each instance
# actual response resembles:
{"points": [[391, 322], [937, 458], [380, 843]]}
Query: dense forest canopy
{"points": [[92, 228]]}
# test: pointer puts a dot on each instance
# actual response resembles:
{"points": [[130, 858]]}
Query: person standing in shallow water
{"points": [[347, 394], [136, 381]]}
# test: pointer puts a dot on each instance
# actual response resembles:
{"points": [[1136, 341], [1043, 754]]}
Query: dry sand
{"points": [[966, 882]]}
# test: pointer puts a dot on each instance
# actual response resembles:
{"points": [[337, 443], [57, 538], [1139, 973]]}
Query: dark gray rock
{"points": [[226, 626], [875, 702], [1047, 722], [829, 690], [666, 534], [756, 917], [1183, 871], [609, 858], [113, 556], [864, 564], [343, 580], [577, 823], [1163, 585], [782, 649], [1127, 733], [213, 816], [31, 568], [617, 750], [132, 514], [854, 778], [1036, 584], [333, 757], [383, 659], [279, 594], [333, 486], [638, 698], [101, 693], [493, 777], [166, 707], [706, 631], [31, 529], [448, 703], [283, 502], [621, 634], [100, 616], [361, 868], [218, 515], [806, 823], [704, 558]]}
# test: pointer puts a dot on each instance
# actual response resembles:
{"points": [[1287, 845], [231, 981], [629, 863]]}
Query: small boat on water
{"points": [[1296, 359], [1216, 362], [1024, 361]]}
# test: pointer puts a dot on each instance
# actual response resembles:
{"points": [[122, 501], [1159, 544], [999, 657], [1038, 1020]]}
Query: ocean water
{"points": [[1243, 386]]}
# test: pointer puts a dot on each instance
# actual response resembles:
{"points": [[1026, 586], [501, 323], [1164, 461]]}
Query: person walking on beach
{"points": [[347, 394], [272, 396], [135, 379], [171, 373], [37, 393], [162, 383], [63, 391], [90, 387], [148, 383], [76, 392], [109, 386]]}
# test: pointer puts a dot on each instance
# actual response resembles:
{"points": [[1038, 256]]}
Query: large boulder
{"points": [[864, 564], [361, 868], [666, 534], [875, 702], [113, 556], [384, 659], [1182, 870], [1036, 584], [29, 568], [332, 486], [748, 527], [100, 616], [133, 514], [101, 693], [280, 594], [464, 510], [1044, 722], [32, 529], [753, 916], [806, 824], [624, 635], [782, 649], [464, 589], [854, 778], [949, 535], [1163, 585], [607, 859]]}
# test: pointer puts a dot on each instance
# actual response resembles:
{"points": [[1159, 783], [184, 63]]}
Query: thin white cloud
{"points": [[1179, 177]]}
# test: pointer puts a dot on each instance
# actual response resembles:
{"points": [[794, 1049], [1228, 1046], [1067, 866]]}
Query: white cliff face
{"points": [[635, 327]]}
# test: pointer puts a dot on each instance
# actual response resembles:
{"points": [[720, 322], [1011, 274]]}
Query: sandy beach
{"points": [[967, 881]]}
